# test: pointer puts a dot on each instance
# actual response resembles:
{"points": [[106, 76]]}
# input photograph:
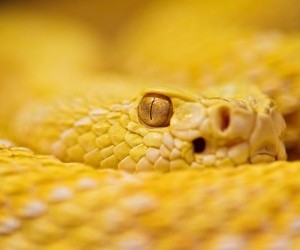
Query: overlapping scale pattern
{"points": [[45, 202]]}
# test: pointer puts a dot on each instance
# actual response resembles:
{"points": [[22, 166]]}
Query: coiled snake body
{"points": [[101, 174], [209, 204]]}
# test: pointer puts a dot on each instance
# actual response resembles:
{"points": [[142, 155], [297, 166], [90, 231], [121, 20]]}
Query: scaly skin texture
{"points": [[45, 202], [202, 132], [48, 204], [56, 205]]}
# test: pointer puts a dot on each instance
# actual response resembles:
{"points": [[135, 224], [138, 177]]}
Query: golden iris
{"points": [[155, 110]]}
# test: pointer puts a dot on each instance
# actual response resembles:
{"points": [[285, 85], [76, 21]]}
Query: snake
{"points": [[164, 169], [158, 167]]}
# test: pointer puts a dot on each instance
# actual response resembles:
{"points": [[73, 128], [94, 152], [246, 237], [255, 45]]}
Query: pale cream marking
{"points": [[22, 149], [295, 225], [135, 241], [231, 243], [61, 194], [6, 143], [9, 225], [98, 112], [113, 219], [281, 243], [116, 107], [33, 209], [86, 121], [86, 183], [128, 178], [126, 102], [140, 203]]}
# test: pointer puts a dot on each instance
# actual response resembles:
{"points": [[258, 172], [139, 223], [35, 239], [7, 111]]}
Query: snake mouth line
{"points": [[262, 157], [234, 155]]}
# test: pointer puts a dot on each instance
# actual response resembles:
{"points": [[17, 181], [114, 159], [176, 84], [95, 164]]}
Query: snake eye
{"points": [[155, 110]]}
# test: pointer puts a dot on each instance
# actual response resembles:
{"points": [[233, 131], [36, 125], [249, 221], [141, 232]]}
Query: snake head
{"points": [[180, 130], [160, 129]]}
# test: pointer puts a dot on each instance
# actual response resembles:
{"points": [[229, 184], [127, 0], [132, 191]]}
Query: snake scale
{"points": [[201, 205], [155, 167]]}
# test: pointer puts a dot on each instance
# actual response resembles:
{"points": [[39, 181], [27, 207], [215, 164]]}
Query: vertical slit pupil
{"points": [[151, 108], [199, 145]]}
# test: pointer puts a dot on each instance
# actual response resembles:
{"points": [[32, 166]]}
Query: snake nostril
{"points": [[224, 116], [199, 145]]}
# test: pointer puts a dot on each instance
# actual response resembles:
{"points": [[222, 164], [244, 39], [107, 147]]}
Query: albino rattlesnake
{"points": [[48, 204], [45, 202]]}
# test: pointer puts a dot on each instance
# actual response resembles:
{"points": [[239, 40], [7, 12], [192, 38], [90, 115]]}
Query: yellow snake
{"points": [[209, 204], [233, 188]]}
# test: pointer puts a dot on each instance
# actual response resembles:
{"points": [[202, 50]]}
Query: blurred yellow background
{"points": [[63, 43], [52, 40]]}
